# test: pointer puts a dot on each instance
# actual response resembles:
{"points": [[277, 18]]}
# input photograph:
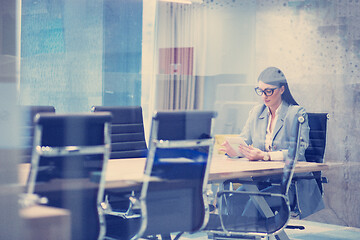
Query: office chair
{"points": [[315, 152], [262, 220], [27, 131], [127, 131], [173, 193], [316, 149], [68, 167], [127, 141]]}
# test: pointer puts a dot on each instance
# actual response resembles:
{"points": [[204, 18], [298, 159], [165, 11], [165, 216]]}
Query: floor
{"points": [[312, 231]]}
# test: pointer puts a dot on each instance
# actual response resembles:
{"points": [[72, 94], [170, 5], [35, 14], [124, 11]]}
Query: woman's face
{"points": [[273, 101]]}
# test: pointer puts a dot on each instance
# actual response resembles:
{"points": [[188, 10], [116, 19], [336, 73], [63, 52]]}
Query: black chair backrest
{"points": [[127, 131], [183, 125], [180, 150], [27, 116], [70, 152], [292, 157], [317, 136], [316, 149]]}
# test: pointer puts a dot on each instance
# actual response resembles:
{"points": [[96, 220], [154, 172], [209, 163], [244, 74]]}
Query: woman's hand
{"points": [[251, 153], [228, 149]]}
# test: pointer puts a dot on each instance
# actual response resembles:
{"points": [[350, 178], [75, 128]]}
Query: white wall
{"points": [[316, 44]]}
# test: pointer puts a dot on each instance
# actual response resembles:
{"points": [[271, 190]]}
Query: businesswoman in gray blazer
{"points": [[267, 133]]}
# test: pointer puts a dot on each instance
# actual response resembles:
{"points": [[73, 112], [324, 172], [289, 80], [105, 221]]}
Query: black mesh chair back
{"points": [[127, 131], [258, 218], [316, 149], [173, 194], [318, 125], [68, 167], [292, 157], [27, 131]]}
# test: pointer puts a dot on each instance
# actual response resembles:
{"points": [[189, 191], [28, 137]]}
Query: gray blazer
{"points": [[309, 198]]}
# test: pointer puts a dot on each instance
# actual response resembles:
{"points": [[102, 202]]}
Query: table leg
{"points": [[282, 236]]}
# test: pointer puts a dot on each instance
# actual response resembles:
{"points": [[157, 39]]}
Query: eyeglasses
{"points": [[267, 91]]}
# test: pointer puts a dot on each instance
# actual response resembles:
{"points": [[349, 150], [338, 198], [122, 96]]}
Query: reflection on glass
{"points": [[74, 57]]}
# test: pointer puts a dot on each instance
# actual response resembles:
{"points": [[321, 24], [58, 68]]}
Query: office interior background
{"points": [[196, 54]]}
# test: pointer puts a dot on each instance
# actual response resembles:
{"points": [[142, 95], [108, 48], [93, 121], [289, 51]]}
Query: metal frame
{"points": [[28, 113], [104, 149], [158, 143], [295, 182], [260, 201], [124, 111]]}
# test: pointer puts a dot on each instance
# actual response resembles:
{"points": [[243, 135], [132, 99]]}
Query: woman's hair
{"points": [[276, 77], [286, 96]]}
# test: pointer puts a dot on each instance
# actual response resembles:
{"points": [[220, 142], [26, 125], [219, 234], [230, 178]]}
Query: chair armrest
{"points": [[124, 215], [250, 182], [221, 193], [296, 178]]}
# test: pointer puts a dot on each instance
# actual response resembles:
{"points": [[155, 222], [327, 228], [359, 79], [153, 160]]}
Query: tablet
{"points": [[235, 142]]}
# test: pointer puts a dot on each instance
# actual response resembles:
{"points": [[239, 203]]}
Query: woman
{"points": [[267, 133]]}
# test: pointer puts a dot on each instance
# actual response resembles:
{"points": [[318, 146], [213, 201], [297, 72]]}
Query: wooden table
{"points": [[127, 173]]}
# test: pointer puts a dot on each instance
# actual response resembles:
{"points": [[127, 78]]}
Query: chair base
{"points": [[295, 227]]}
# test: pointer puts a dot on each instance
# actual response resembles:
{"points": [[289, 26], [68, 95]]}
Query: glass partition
{"points": [[202, 54], [11, 226]]}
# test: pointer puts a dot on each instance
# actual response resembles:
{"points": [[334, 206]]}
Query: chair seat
{"points": [[120, 228], [119, 201], [234, 223]]}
